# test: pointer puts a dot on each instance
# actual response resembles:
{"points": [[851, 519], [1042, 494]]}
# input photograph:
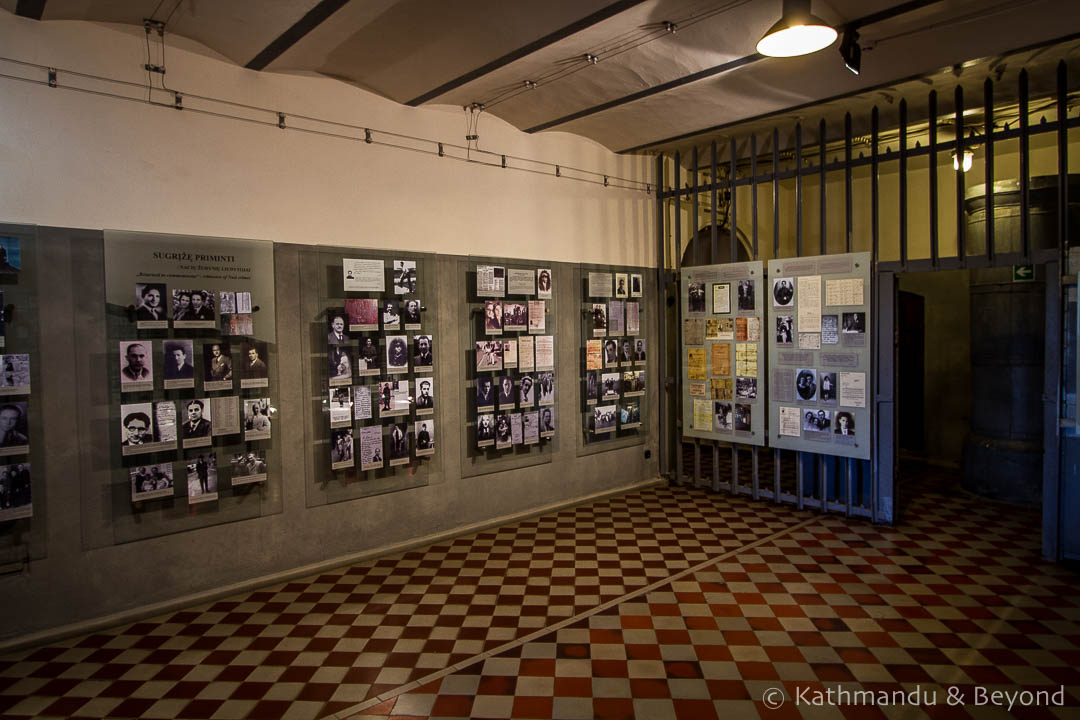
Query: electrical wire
{"points": [[362, 134]]}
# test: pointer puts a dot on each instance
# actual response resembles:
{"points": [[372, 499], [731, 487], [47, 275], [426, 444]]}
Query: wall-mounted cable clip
{"points": [[52, 77], [281, 120]]}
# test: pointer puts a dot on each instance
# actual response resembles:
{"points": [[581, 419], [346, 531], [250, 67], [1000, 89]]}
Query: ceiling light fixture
{"points": [[797, 32], [850, 50]]}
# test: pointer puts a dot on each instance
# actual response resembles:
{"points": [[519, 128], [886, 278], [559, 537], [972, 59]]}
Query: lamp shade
{"points": [[797, 32]]}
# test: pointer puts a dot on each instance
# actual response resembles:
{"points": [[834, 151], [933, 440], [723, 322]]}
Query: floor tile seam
{"points": [[540, 632]]}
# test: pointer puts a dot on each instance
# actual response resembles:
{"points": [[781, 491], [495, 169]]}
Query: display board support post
{"points": [[799, 479], [697, 462], [715, 467], [754, 467], [884, 418]]}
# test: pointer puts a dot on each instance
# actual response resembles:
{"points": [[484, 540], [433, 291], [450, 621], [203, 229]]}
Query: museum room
{"points": [[338, 446]]}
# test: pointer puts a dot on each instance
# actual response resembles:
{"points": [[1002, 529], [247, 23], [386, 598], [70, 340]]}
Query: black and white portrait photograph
{"points": [[391, 315], [341, 448], [485, 430], [397, 354], [202, 479], [611, 352], [194, 306], [626, 351], [783, 292], [743, 420], [136, 366], [622, 285], [425, 395], [817, 421], [412, 314], [854, 323], [196, 426], [339, 364], [746, 388], [723, 417], [257, 417], [485, 393], [639, 350], [635, 285], [507, 399], [176, 364], [827, 391], [604, 418], [136, 420], [515, 316], [367, 360], [526, 392], [338, 329], [806, 384], [217, 365], [547, 422], [393, 397], [746, 295], [599, 319], [422, 353], [254, 370], [151, 481], [503, 433], [844, 424], [696, 297], [15, 374], [545, 381], [784, 329], [489, 355], [398, 445], [405, 279], [543, 283], [609, 385], [248, 467], [592, 386], [150, 305], [425, 437], [493, 317]]}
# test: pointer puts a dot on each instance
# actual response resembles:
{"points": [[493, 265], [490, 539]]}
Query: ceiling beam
{"points": [[885, 14], [311, 20], [550, 39], [32, 9]]}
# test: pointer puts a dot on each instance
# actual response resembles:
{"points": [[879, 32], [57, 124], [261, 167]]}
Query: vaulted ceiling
{"points": [[633, 75]]}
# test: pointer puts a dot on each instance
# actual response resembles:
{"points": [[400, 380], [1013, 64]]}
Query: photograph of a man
{"points": [[177, 360], [412, 312], [255, 365], [218, 361], [136, 365], [137, 429], [422, 351], [424, 399], [202, 305], [337, 334], [198, 420], [149, 296]]}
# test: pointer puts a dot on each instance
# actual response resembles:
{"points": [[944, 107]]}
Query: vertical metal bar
{"points": [[753, 192], [798, 189], [677, 183], [1052, 514], [697, 462], [849, 217], [822, 483], [715, 466], [661, 327], [1063, 163], [961, 223], [823, 230], [776, 191], [715, 181], [733, 226], [875, 210], [933, 179], [988, 167], [776, 474], [903, 184], [847, 490], [799, 479], [754, 467], [734, 468], [1025, 170], [695, 184]]}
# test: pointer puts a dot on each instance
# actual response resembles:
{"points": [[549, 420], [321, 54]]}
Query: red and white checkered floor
{"points": [[664, 603]]}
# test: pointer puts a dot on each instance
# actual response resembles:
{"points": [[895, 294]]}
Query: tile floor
{"points": [[665, 603]]}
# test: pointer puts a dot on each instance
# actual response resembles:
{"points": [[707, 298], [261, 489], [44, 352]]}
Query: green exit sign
{"points": [[1023, 273]]}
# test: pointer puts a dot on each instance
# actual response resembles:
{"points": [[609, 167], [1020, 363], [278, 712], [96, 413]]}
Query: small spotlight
{"points": [[850, 51], [591, 59], [671, 27]]}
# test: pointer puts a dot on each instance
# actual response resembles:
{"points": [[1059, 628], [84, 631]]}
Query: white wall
{"points": [[79, 160]]}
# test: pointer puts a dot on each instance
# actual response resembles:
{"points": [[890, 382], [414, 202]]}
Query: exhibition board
{"points": [[370, 322], [820, 354], [184, 350], [22, 460], [722, 352], [508, 335], [615, 320]]}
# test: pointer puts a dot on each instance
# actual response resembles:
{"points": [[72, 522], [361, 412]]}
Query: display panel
{"points": [[722, 352], [190, 363], [614, 357], [374, 353], [509, 335], [819, 354]]}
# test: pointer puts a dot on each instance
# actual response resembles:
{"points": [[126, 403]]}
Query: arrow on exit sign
{"points": [[1023, 273]]}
